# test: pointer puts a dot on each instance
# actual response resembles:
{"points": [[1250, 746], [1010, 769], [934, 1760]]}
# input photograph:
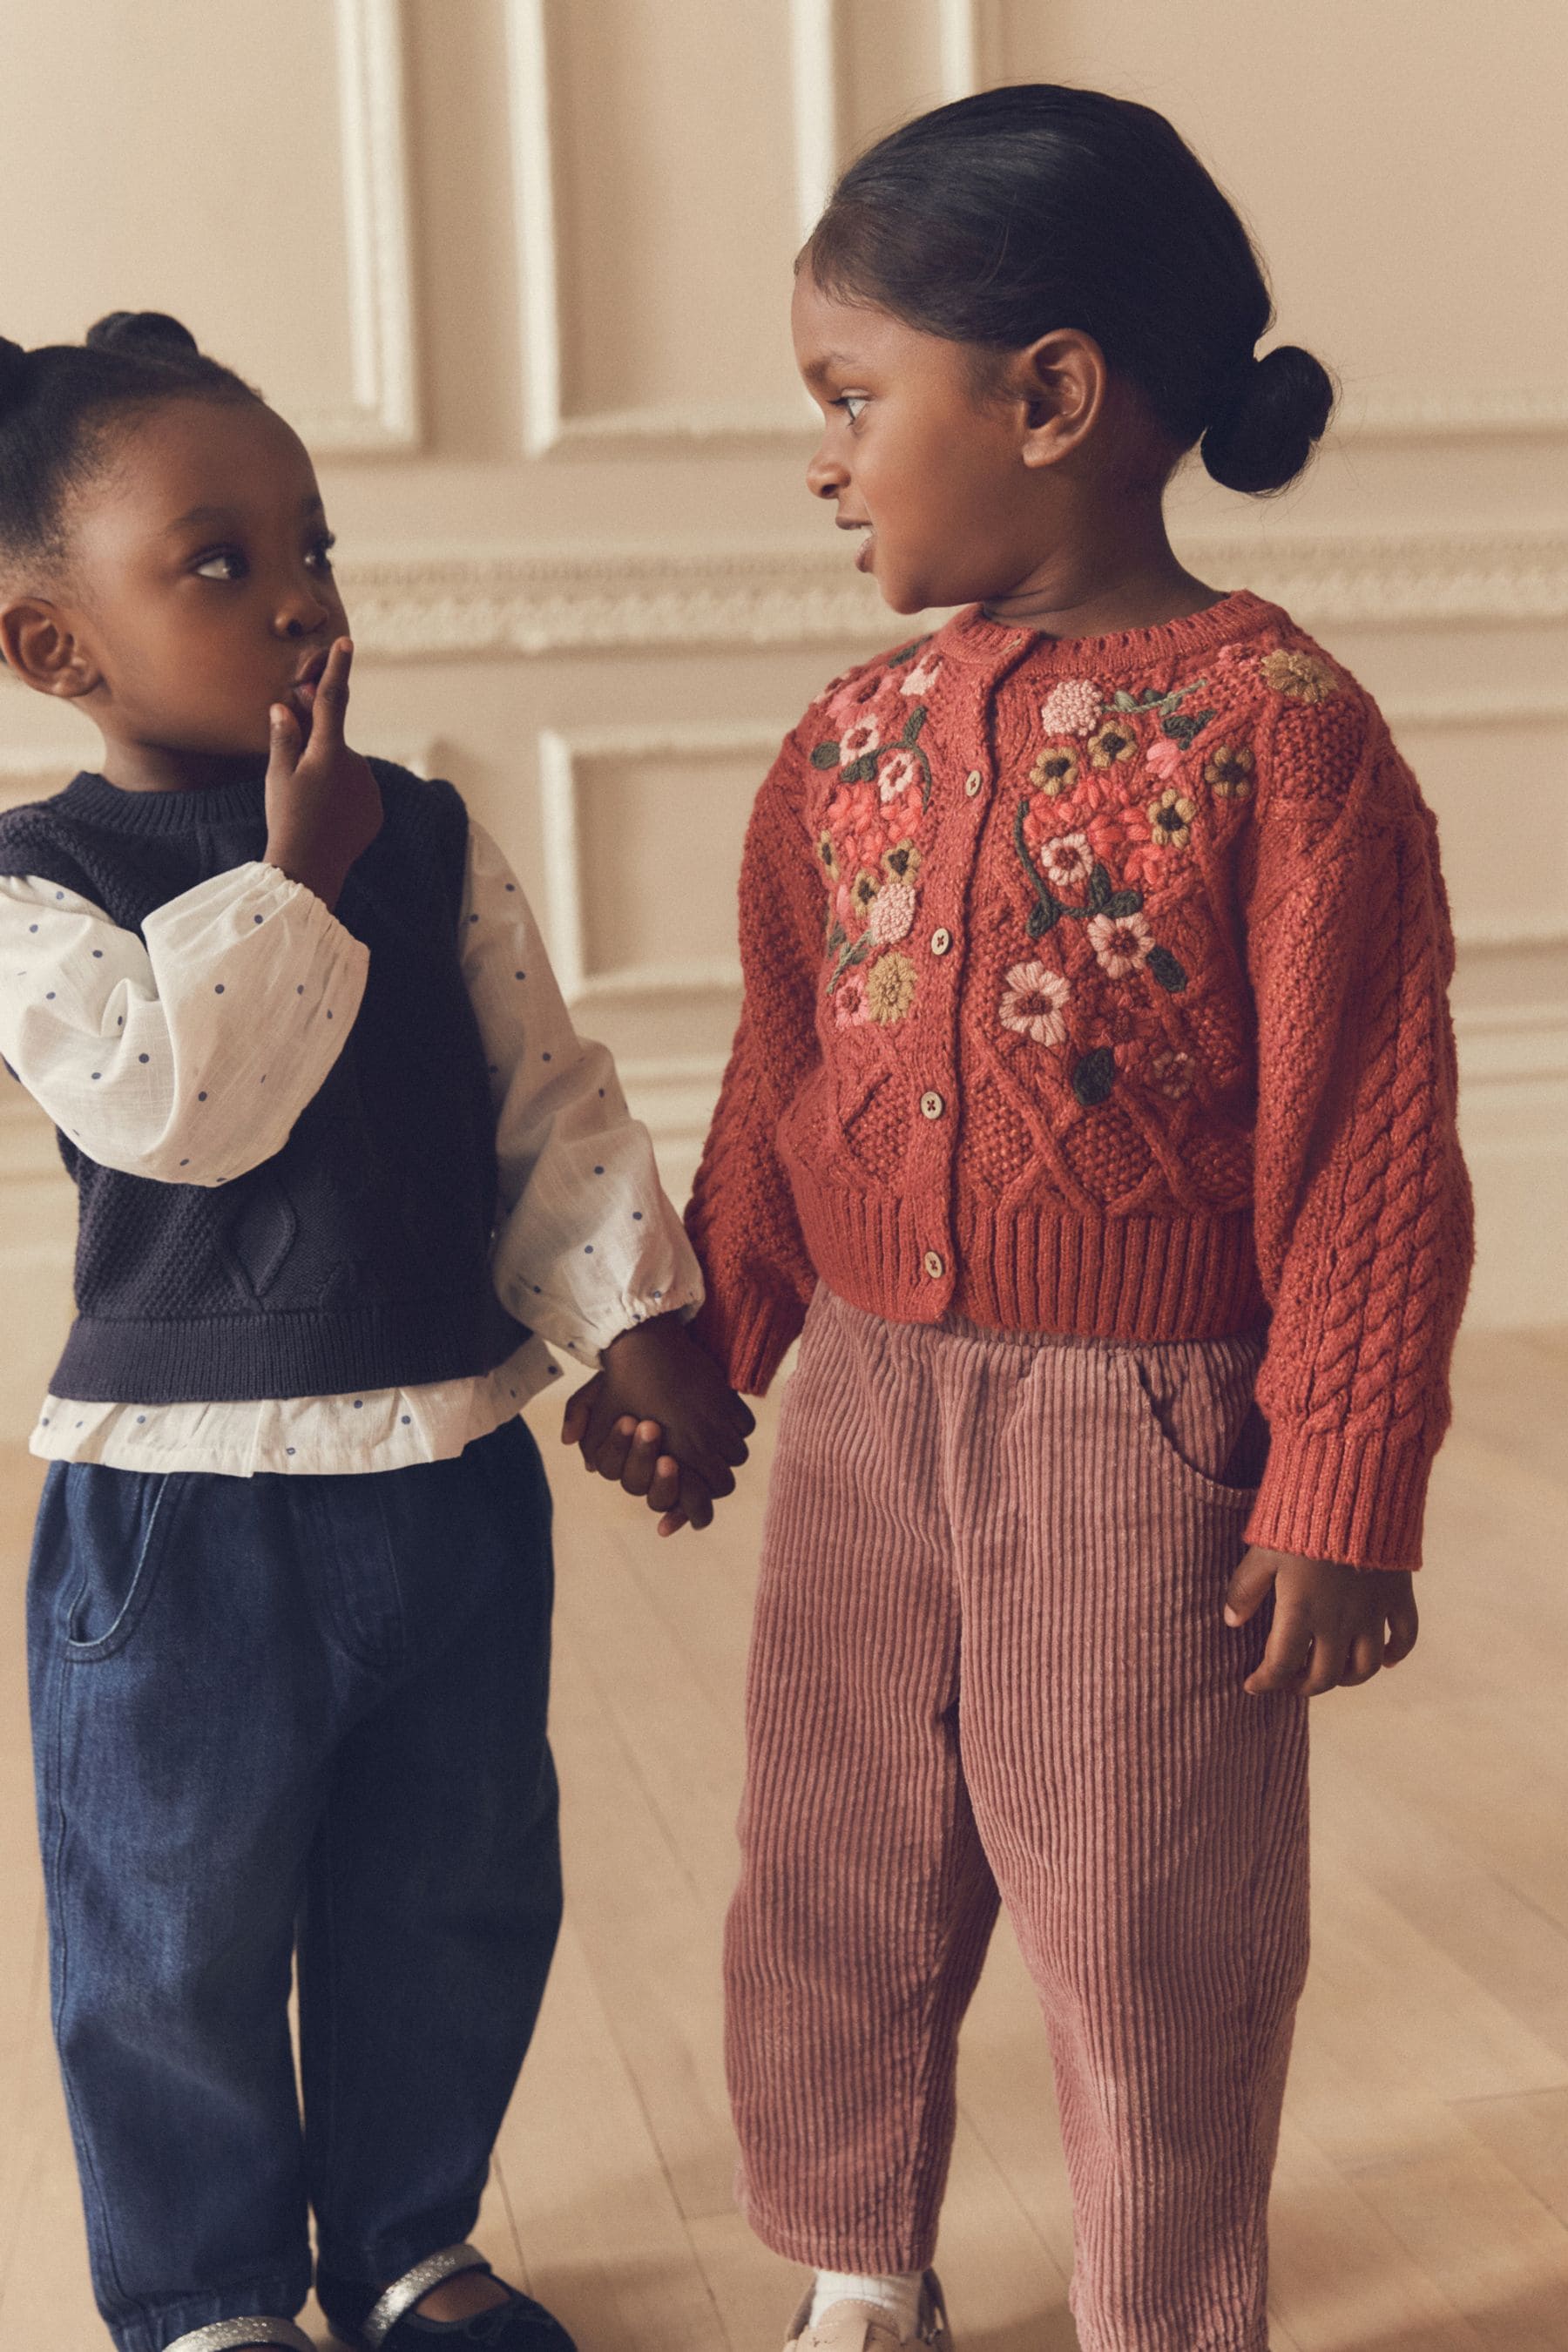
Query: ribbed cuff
{"points": [[1341, 1496], [749, 1336]]}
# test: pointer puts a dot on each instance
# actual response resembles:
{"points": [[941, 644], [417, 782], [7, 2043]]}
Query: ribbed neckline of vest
{"points": [[971, 635], [102, 803]]}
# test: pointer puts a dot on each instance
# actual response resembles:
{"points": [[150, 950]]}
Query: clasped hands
{"points": [[659, 1419]]}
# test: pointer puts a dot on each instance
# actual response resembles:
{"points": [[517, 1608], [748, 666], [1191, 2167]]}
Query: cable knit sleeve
{"points": [[741, 1217], [1362, 1206]]}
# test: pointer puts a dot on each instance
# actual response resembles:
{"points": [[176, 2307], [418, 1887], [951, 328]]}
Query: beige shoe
{"points": [[850, 2327]]}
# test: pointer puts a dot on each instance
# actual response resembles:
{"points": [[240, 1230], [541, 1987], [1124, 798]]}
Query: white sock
{"points": [[897, 2290]]}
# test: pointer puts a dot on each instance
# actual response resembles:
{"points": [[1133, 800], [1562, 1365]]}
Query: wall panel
{"points": [[1390, 161], [651, 287], [191, 189], [521, 269]]}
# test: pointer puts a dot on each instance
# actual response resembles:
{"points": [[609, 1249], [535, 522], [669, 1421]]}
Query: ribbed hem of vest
{"points": [[239, 1359], [1041, 1267], [1359, 1499]]}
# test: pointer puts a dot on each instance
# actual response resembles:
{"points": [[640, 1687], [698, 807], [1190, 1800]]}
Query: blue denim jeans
{"points": [[276, 1716]]}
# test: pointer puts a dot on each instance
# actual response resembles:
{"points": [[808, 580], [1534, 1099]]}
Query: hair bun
{"points": [[1265, 434], [152, 331]]}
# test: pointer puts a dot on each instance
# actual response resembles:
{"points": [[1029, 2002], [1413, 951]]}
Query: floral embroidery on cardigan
{"points": [[1073, 708], [1032, 1003], [1125, 743], [860, 749], [1229, 771], [906, 768], [1173, 1072], [1076, 708], [870, 856], [890, 987], [893, 913], [1114, 807], [1171, 818], [1112, 742], [1180, 727], [1114, 919], [1072, 882], [1300, 675], [1055, 769]]}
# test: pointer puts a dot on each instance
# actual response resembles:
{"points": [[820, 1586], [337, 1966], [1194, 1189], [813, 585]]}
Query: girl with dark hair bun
{"points": [[993, 221], [344, 1166], [1091, 1120]]}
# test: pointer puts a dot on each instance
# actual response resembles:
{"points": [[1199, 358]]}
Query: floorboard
{"points": [[1421, 2200]]}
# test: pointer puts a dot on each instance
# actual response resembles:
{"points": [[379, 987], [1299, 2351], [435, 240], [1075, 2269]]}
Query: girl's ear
{"points": [[43, 650], [1061, 381]]}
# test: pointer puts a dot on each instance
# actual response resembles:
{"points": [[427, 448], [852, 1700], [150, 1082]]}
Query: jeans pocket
{"points": [[119, 1536]]}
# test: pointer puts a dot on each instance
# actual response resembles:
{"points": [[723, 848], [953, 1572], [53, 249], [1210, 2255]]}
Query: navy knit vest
{"points": [[358, 1256]]}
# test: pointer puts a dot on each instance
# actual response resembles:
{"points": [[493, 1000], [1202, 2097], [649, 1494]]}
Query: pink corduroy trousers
{"points": [[989, 1663]]}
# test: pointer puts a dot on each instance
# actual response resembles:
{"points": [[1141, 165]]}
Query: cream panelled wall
{"points": [[519, 269]]}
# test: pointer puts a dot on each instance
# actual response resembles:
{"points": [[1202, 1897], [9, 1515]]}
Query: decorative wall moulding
{"points": [[450, 605], [451, 602], [1441, 711], [382, 416], [1411, 413], [816, 70], [1401, 580], [1544, 934], [561, 755], [552, 421]]}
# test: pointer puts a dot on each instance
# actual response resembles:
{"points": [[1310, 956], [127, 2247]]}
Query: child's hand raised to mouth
{"points": [[659, 1420], [323, 804]]}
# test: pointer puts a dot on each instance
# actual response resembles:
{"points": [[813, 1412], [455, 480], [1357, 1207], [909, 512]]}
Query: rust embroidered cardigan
{"points": [[1097, 986]]}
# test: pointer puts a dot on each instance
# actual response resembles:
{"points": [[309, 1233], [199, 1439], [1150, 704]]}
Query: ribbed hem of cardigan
{"points": [[1041, 1267], [236, 1359], [1139, 1278], [748, 1335], [1360, 1499]]}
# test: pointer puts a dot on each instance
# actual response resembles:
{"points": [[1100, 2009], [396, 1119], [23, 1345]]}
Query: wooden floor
{"points": [[1422, 2197]]}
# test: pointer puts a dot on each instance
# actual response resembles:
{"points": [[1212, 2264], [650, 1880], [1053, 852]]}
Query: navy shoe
{"points": [[384, 2320]]}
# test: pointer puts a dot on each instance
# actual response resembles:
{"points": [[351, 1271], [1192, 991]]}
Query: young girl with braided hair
{"points": [[343, 1167], [1091, 1118]]}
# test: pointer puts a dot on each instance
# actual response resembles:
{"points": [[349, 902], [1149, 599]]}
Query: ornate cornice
{"points": [[441, 603], [537, 600]]}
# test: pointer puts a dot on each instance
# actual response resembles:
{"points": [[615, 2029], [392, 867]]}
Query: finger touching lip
{"points": [[302, 694]]}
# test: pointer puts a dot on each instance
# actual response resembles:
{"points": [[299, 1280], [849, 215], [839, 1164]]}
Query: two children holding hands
{"points": [[1091, 1121]]}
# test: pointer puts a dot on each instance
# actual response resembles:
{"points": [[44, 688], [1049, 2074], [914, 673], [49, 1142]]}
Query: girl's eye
{"points": [[851, 402], [320, 554], [223, 563]]}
